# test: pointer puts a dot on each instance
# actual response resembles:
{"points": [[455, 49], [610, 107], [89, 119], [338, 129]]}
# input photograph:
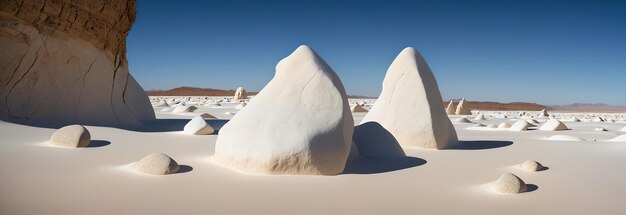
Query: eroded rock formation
{"points": [[65, 62]]}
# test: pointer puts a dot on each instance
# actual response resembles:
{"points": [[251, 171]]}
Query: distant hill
{"points": [[588, 107], [480, 105], [193, 91]]}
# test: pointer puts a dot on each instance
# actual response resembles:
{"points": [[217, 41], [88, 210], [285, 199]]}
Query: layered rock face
{"points": [[65, 62], [299, 124]]}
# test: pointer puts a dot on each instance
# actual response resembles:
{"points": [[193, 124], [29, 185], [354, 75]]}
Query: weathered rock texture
{"points": [[65, 62], [299, 124], [409, 107]]}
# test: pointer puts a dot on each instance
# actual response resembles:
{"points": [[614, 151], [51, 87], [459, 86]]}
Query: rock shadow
{"points": [[98, 143], [373, 165], [184, 169], [372, 139], [157, 125], [531, 188], [478, 144]]}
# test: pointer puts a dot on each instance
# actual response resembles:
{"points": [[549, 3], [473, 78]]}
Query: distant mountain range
{"points": [[477, 105]]}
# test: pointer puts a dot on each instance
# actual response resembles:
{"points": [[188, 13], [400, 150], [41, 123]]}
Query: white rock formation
{"points": [[565, 138], [357, 108], [162, 103], [531, 166], [300, 123], [463, 120], [620, 138], [197, 126], [71, 136], [241, 106], [553, 125], [463, 108], [184, 109], [492, 126], [543, 113], [504, 125], [63, 68], [520, 125], [156, 164], [450, 110], [207, 116], [480, 117], [240, 94], [510, 184], [410, 105]]}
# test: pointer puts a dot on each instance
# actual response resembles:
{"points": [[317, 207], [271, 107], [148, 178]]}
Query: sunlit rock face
{"points": [[65, 62]]}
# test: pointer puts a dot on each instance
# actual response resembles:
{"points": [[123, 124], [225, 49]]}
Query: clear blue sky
{"points": [[549, 52]]}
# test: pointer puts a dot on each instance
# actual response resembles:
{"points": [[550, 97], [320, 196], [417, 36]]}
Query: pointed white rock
{"points": [[197, 126], [451, 108], [463, 108], [480, 117], [357, 108], [409, 106], [300, 123], [240, 94], [553, 125], [520, 125]]}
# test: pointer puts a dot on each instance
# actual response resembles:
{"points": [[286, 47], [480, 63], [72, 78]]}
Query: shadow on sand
{"points": [[531, 188], [98, 143], [378, 152], [157, 125], [479, 144], [373, 165], [184, 169]]}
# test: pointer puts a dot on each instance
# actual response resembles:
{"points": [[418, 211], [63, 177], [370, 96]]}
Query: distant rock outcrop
{"points": [[463, 108], [64, 61]]}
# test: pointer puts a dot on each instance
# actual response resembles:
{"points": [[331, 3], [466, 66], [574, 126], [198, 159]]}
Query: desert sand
{"points": [[459, 180]]}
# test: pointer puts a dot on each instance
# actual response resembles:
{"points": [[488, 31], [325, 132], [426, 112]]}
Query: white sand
{"points": [[583, 177]]}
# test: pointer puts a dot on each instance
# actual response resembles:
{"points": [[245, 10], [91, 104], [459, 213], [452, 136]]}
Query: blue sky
{"points": [[549, 52]]}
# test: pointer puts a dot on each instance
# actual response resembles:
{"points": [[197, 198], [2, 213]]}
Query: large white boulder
{"points": [[198, 126], [409, 106], [300, 123], [71, 136], [240, 94], [553, 125], [463, 108], [451, 108]]}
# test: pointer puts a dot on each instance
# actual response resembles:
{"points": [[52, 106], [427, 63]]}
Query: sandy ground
{"points": [[585, 177]]}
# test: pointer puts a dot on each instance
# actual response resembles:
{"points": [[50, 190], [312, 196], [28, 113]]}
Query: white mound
{"points": [[504, 125], [520, 125], [241, 106], [71, 136], [480, 117], [600, 129], [357, 108], [620, 138], [156, 164], [213, 104], [240, 94], [510, 184], [409, 106], [207, 116], [184, 109], [463, 108], [229, 113], [198, 126], [553, 125], [162, 103], [451, 108], [623, 129], [300, 123], [463, 120], [531, 166], [565, 138], [492, 126]]}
